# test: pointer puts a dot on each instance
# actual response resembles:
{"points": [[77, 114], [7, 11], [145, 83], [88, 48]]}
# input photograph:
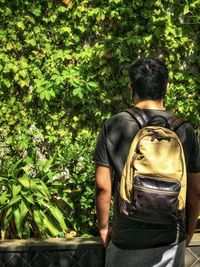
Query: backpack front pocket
{"points": [[155, 196]]}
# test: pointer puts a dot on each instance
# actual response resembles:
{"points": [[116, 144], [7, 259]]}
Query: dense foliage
{"points": [[63, 71]]}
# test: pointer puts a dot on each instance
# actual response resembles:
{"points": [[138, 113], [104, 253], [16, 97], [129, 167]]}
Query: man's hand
{"points": [[188, 238], [105, 236]]}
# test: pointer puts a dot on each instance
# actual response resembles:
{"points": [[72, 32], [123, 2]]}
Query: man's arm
{"points": [[192, 204], [103, 198]]}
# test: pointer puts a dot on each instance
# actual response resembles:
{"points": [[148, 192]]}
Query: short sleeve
{"points": [[101, 154], [194, 158]]}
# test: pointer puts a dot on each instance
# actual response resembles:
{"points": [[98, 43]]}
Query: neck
{"points": [[150, 104]]}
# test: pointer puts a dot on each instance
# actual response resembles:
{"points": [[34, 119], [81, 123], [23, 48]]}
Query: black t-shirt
{"points": [[112, 150]]}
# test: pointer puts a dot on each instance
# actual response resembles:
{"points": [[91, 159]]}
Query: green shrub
{"points": [[63, 70]]}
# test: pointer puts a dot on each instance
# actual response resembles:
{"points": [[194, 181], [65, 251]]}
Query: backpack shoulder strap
{"points": [[139, 116], [175, 122], [142, 119]]}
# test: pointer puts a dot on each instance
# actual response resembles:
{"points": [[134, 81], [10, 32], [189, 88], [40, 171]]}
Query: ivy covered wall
{"points": [[63, 70]]}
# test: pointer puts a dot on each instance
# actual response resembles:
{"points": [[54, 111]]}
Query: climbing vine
{"points": [[63, 70]]}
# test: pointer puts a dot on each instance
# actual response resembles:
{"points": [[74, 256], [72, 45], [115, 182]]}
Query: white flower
{"points": [[40, 155], [32, 128], [1, 152], [38, 138], [63, 175]]}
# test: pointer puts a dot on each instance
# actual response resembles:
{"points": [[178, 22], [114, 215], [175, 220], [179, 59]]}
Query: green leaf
{"points": [[23, 209], [30, 19], [7, 217], [69, 202], [58, 215], [22, 84], [25, 181], [4, 198], [92, 84], [62, 9], [52, 93], [14, 200], [16, 189], [17, 217], [7, 11], [78, 92], [31, 42], [186, 10], [20, 25], [40, 187], [29, 197], [15, 168], [47, 164], [50, 226], [4, 178], [38, 218], [23, 73], [64, 30], [36, 12]]}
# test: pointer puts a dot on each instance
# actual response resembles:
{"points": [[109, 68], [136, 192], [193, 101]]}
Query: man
{"points": [[130, 242]]}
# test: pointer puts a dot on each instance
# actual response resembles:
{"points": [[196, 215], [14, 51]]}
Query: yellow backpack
{"points": [[153, 182]]}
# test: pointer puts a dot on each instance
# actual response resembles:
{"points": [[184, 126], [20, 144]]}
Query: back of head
{"points": [[149, 78]]}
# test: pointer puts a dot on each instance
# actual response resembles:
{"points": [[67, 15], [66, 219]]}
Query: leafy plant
{"points": [[63, 71], [27, 208]]}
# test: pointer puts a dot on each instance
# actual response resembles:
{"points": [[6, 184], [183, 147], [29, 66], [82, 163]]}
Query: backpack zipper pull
{"points": [[154, 136]]}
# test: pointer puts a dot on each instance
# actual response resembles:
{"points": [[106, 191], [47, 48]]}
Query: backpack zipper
{"points": [[160, 191], [157, 178]]}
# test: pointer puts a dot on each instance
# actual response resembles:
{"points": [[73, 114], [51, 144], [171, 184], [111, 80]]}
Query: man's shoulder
{"points": [[118, 117], [120, 123], [124, 116], [123, 119]]}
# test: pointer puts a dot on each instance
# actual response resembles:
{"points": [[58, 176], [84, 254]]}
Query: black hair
{"points": [[149, 78]]}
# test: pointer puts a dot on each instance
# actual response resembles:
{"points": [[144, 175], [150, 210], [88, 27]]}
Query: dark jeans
{"points": [[168, 256]]}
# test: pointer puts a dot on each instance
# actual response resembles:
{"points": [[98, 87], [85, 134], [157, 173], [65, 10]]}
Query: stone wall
{"points": [[76, 252], [55, 252]]}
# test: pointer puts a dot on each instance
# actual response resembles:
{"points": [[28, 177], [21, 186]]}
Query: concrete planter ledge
{"points": [[71, 252], [50, 244], [192, 253], [195, 240], [54, 252]]}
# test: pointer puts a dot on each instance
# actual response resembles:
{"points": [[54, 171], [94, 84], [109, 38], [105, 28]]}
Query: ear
{"points": [[130, 88], [166, 90]]}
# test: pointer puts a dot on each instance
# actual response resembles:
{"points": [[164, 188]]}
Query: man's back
{"points": [[118, 133], [135, 243]]}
